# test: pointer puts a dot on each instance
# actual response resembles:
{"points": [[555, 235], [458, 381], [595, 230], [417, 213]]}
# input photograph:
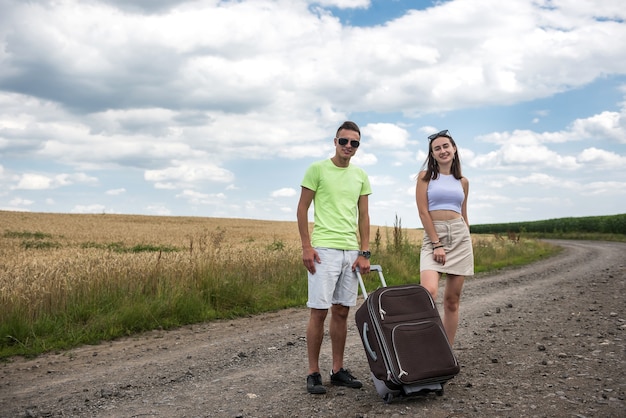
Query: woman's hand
{"points": [[439, 254]]}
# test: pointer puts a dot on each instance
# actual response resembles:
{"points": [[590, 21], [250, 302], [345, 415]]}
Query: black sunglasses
{"points": [[445, 133], [353, 142]]}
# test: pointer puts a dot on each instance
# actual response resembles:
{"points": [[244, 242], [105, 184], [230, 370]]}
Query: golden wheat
{"points": [[44, 255]]}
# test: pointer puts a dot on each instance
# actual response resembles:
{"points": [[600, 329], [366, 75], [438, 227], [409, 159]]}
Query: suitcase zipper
{"points": [[398, 376], [382, 312], [385, 351], [384, 348]]}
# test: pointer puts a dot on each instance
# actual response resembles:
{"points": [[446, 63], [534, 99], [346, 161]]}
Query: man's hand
{"points": [[309, 258], [363, 264]]}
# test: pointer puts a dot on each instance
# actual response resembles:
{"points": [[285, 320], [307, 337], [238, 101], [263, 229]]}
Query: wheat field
{"points": [[70, 279], [44, 254]]}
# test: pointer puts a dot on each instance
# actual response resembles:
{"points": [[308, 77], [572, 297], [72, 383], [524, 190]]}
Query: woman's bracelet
{"points": [[435, 243], [438, 246]]}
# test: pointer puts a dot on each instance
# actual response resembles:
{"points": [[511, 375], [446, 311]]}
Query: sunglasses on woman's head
{"points": [[353, 142], [445, 133]]}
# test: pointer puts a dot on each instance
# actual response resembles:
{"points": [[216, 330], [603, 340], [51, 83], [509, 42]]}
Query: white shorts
{"points": [[334, 282]]}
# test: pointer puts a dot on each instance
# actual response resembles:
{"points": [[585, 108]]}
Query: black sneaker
{"points": [[314, 384], [344, 378]]}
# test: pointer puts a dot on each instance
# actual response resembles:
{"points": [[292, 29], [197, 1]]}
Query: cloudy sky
{"points": [[215, 108]]}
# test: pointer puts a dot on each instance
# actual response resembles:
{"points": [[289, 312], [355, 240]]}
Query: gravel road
{"points": [[545, 340]]}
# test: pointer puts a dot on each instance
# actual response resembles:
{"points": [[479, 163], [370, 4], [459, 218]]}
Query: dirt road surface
{"points": [[545, 340]]}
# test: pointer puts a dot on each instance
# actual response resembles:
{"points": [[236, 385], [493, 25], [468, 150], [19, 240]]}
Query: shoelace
{"points": [[347, 373]]}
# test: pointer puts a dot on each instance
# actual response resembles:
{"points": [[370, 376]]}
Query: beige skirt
{"points": [[456, 240]]}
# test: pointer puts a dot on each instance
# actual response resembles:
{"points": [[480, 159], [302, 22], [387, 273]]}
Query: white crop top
{"points": [[445, 193]]}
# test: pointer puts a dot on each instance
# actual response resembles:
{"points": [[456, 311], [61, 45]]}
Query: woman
{"points": [[441, 195]]}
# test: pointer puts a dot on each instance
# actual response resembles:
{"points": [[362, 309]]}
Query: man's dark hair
{"points": [[351, 126]]}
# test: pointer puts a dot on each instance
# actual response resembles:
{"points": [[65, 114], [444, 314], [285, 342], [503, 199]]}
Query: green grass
{"points": [[119, 302], [120, 247], [509, 253], [33, 240], [39, 245], [26, 235]]}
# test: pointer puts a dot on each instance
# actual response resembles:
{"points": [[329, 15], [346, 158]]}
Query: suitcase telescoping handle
{"points": [[373, 267], [365, 333]]}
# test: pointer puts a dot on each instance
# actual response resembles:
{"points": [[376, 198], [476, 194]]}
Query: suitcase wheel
{"points": [[439, 392], [388, 397]]}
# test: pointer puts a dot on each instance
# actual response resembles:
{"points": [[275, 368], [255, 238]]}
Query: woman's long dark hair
{"points": [[432, 168]]}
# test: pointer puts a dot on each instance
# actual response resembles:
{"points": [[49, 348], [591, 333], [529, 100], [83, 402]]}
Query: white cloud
{"points": [[165, 186], [515, 155], [159, 210], [364, 159], [606, 188], [284, 192], [386, 135], [342, 4], [18, 201], [14, 208], [606, 125], [198, 198], [116, 192], [382, 181], [534, 179], [186, 173], [528, 148], [601, 158], [32, 181], [95, 208]]}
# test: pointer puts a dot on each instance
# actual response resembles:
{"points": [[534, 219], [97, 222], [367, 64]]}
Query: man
{"points": [[339, 192]]}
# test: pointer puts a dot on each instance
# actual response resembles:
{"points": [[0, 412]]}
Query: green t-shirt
{"points": [[337, 191]]}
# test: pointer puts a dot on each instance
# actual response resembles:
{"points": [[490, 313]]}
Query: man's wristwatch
{"points": [[365, 254]]}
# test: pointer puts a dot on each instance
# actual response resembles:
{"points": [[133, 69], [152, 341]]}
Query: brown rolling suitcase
{"points": [[404, 340]]}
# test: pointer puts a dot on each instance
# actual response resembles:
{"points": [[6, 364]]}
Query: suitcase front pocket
{"points": [[422, 352]]}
